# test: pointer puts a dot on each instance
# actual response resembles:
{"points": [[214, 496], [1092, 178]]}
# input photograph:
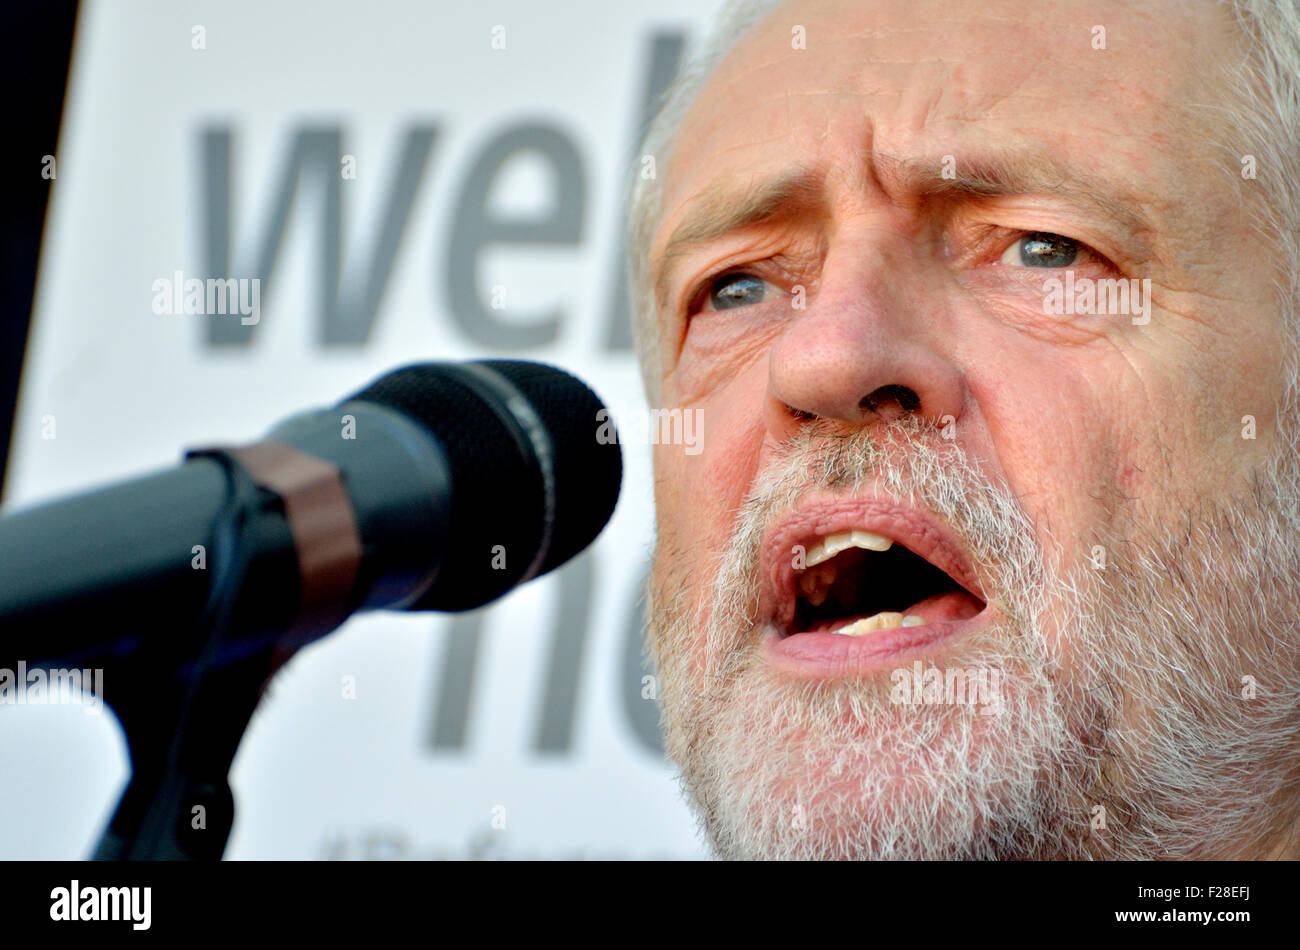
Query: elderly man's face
{"points": [[853, 260]]}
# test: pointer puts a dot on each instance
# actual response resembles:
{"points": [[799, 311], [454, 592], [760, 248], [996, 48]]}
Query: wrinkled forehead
{"points": [[1133, 89]]}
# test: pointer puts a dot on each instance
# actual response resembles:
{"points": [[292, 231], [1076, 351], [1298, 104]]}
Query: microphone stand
{"points": [[184, 710]]}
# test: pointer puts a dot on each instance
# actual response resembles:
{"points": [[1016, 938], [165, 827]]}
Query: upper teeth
{"points": [[833, 544], [817, 576]]}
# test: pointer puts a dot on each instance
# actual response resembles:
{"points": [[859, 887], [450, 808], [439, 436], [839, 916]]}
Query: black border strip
{"points": [[35, 55]]}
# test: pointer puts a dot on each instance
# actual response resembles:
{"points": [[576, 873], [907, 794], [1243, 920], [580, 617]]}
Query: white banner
{"points": [[408, 181]]}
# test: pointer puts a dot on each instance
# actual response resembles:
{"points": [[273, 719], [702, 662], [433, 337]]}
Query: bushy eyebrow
{"points": [[726, 206], [1020, 173]]}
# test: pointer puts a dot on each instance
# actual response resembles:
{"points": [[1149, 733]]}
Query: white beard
{"points": [[1134, 741]]}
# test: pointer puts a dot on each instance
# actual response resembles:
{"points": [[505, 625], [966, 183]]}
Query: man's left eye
{"points": [[1042, 249], [737, 290]]}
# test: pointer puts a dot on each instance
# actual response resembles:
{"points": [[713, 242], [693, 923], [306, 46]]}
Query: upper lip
{"points": [[916, 529]]}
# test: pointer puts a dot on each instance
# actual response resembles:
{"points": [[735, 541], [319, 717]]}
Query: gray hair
{"points": [[1267, 93], [1265, 117]]}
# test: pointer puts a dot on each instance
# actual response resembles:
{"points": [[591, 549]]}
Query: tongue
{"points": [[949, 606]]}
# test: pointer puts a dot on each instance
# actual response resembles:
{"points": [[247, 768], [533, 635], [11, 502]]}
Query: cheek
{"points": [[1068, 450], [699, 493], [1131, 476], [722, 348]]}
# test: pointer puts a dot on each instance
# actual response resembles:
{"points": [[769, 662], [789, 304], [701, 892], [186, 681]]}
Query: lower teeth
{"points": [[882, 621]]}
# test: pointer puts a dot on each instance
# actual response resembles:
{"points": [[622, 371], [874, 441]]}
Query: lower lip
{"points": [[833, 655]]}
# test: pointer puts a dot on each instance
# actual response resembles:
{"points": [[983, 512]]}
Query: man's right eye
{"points": [[736, 290]]}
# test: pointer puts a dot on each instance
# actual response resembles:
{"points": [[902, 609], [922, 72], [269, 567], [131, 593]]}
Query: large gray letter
{"points": [[475, 228], [347, 307]]}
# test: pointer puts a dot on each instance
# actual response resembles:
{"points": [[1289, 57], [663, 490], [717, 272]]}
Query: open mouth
{"points": [[854, 583]]}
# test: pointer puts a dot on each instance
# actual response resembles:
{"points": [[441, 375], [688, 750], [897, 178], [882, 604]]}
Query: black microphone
{"points": [[440, 486]]}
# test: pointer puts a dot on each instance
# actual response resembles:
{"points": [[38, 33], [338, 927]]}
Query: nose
{"points": [[868, 349]]}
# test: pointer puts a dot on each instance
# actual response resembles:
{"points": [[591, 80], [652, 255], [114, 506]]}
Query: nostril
{"points": [[879, 400]]}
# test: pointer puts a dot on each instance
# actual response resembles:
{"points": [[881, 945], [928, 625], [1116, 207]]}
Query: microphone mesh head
{"points": [[498, 506]]}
